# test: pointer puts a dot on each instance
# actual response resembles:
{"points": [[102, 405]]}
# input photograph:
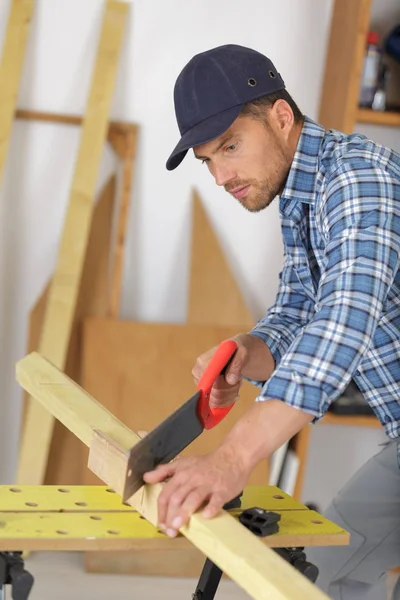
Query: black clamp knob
{"points": [[297, 558], [260, 521]]}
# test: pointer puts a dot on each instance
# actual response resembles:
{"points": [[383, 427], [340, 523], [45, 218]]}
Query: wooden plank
{"points": [[241, 555], [214, 295], [114, 127], [344, 62], [300, 444], [331, 418], [61, 306], [120, 359], [11, 66], [376, 117], [127, 154], [67, 459]]}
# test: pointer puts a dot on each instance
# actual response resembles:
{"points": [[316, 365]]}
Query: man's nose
{"points": [[224, 174]]}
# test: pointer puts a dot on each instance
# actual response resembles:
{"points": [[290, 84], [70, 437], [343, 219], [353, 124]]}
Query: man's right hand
{"points": [[252, 357]]}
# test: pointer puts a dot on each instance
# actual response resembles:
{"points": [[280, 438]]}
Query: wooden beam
{"points": [[63, 295], [241, 555], [343, 65], [115, 127], [214, 295], [66, 458], [127, 153], [12, 61]]}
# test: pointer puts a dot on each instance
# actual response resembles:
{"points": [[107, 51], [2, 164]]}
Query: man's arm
{"points": [[361, 223], [260, 350]]}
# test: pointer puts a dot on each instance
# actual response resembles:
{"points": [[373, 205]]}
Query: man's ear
{"points": [[283, 116]]}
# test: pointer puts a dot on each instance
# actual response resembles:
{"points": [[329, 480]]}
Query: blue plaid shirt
{"points": [[337, 311]]}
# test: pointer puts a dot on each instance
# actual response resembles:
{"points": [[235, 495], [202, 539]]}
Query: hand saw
{"points": [[179, 429]]}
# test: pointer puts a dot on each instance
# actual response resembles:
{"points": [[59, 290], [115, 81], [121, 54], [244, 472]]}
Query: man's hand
{"points": [[206, 482], [252, 358]]}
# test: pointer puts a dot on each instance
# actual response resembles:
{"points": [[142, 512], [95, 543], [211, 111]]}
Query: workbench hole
{"points": [[62, 532], [81, 503], [30, 504], [317, 522], [113, 532], [15, 490], [110, 491], [141, 517], [95, 518], [63, 490], [278, 497]]}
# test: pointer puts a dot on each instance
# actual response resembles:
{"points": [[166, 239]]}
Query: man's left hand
{"points": [[208, 481]]}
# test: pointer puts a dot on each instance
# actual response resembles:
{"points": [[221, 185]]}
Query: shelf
{"points": [[353, 420], [376, 117]]}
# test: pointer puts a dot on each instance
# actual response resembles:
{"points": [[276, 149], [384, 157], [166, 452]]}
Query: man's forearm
{"points": [[259, 363], [263, 429]]}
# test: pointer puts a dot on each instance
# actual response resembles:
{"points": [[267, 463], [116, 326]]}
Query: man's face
{"points": [[251, 160]]}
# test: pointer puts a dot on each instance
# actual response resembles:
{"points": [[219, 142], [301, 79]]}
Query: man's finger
{"points": [[214, 505], [160, 473], [177, 497], [194, 500]]}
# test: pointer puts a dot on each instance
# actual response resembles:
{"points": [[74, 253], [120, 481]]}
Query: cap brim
{"points": [[203, 132]]}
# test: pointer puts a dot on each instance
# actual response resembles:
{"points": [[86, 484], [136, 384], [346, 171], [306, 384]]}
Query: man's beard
{"points": [[261, 194]]}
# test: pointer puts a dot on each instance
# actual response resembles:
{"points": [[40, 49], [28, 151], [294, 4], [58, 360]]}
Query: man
{"points": [[337, 313]]}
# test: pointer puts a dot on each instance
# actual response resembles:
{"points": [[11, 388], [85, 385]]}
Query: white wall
{"points": [[161, 37]]}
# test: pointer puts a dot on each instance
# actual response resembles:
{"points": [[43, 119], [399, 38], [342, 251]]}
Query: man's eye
{"points": [[205, 160], [231, 148]]}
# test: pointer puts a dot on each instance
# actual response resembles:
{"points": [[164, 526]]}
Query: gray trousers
{"points": [[368, 507]]}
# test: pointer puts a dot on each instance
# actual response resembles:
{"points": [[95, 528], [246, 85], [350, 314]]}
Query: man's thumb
{"points": [[233, 372]]}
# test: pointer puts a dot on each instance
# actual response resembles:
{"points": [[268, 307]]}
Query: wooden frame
{"points": [[263, 574]]}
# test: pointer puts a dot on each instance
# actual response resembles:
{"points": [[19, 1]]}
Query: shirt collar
{"points": [[301, 182]]}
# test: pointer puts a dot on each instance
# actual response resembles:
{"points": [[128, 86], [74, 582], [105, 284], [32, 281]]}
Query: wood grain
{"points": [[66, 455], [344, 63], [11, 67], [214, 295], [127, 155]]}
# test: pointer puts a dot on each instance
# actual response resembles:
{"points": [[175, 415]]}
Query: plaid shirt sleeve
{"points": [[291, 311], [359, 215]]}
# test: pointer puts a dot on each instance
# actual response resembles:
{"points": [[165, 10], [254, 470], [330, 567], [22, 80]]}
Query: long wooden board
{"points": [[344, 62], [66, 454], [124, 145], [11, 65], [241, 555], [63, 295], [214, 295]]}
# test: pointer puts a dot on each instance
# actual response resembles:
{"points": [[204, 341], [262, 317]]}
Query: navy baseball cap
{"points": [[212, 89]]}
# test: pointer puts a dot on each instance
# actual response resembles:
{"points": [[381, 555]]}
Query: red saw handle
{"points": [[212, 415]]}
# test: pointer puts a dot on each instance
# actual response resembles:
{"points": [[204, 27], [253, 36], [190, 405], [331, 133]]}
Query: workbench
{"points": [[54, 518], [270, 564], [47, 518]]}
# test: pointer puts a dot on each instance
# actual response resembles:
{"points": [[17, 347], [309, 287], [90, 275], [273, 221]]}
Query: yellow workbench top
{"points": [[95, 518]]}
